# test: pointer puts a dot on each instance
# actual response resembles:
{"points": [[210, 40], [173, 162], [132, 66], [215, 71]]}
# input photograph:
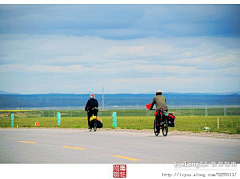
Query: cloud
{"points": [[200, 53], [125, 48], [121, 21], [22, 68], [120, 66]]}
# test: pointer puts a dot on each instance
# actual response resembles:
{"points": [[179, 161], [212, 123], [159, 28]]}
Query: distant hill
{"points": [[3, 92], [79, 100]]}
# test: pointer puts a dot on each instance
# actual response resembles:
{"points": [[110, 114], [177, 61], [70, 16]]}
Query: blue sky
{"points": [[123, 48]]}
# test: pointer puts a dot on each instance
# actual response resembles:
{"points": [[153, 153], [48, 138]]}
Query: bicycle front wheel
{"points": [[165, 128], [95, 126]]}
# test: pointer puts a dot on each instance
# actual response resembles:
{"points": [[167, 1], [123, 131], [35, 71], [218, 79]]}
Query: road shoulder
{"points": [[188, 133]]}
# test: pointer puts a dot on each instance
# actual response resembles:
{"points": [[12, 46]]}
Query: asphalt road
{"points": [[37, 145]]}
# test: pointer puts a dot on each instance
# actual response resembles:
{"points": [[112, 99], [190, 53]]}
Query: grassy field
{"points": [[227, 124], [186, 119]]}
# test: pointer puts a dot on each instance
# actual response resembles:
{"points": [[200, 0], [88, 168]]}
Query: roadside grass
{"points": [[227, 124]]}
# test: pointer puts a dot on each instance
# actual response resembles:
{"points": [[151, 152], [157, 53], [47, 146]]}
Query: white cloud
{"points": [[22, 68], [125, 48], [190, 63]]}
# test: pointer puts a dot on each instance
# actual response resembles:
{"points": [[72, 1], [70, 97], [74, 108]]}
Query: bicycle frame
{"points": [[160, 122]]}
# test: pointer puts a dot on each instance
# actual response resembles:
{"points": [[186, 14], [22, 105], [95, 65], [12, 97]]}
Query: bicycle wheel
{"points": [[165, 128], [95, 126], [156, 128]]}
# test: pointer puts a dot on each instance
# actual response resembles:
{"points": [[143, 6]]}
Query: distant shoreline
{"points": [[114, 101]]}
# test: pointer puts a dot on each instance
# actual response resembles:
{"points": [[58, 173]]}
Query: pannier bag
{"points": [[92, 120], [99, 124], [171, 120], [158, 114]]}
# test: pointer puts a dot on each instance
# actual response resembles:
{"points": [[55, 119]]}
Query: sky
{"points": [[121, 48]]}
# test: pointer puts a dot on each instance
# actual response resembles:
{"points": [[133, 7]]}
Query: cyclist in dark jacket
{"points": [[160, 101], [91, 108]]}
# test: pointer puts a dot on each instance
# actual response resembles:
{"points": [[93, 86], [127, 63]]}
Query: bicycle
{"points": [[160, 122], [95, 123]]}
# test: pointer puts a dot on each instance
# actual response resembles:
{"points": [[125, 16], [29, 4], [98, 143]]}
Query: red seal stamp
{"points": [[119, 171]]}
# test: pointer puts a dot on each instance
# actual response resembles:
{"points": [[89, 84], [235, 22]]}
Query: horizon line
{"points": [[211, 93]]}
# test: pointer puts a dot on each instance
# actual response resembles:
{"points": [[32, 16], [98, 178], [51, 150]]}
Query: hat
{"points": [[92, 96]]}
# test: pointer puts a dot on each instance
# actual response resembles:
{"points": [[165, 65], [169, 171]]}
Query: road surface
{"points": [[38, 145]]}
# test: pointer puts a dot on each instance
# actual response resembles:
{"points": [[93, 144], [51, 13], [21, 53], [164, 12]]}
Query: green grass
{"points": [[186, 120], [228, 124]]}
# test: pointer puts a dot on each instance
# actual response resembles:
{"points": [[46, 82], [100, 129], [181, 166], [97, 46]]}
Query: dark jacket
{"points": [[91, 103], [160, 102]]}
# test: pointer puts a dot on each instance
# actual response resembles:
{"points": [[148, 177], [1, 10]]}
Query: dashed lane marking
{"points": [[28, 142], [128, 158], [69, 147]]}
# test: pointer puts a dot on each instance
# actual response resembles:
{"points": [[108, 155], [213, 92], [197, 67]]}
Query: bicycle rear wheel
{"points": [[95, 126], [156, 128], [165, 128]]}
